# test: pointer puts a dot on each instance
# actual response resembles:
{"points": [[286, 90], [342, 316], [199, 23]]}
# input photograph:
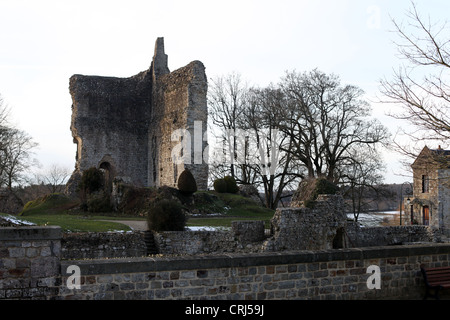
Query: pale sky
{"points": [[43, 43]]}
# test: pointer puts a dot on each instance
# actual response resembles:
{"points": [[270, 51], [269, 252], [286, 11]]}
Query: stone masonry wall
{"points": [[387, 236], [310, 275], [29, 262], [244, 237], [309, 229], [31, 268], [110, 119], [179, 102], [96, 245], [125, 125], [444, 201]]}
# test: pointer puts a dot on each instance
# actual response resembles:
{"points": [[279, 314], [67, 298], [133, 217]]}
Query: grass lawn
{"points": [[58, 210], [232, 207], [75, 223]]}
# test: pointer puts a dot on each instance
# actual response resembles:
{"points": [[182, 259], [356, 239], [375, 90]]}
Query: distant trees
{"points": [[53, 178], [421, 86], [16, 149], [307, 126]]}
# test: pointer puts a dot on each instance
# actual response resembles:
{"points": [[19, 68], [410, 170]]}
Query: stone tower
{"points": [[135, 128]]}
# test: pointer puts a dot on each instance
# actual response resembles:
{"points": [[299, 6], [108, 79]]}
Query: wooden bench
{"points": [[435, 279]]}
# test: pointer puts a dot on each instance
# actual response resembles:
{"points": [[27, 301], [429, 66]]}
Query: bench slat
{"points": [[436, 278], [437, 269], [440, 283], [439, 272]]}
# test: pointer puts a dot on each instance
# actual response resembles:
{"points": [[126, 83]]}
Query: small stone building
{"points": [[430, 203], [133, 127]]}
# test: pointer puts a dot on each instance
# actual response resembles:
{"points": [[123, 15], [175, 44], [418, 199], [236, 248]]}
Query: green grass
{"points": [[59, 210], [233, 207], [75, 223]]}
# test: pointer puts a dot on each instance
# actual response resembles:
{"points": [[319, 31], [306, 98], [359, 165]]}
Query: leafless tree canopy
{"points": [[307, 126], [421, 85], [15, 150], [328, 123], [54, 178]]}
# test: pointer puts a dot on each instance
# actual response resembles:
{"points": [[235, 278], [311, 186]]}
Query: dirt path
{"points": [[134, 224]]}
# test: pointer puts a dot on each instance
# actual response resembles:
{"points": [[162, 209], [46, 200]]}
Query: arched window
{"points": [[108, 172]]}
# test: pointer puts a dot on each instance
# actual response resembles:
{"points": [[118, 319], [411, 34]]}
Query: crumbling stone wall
{"points": [[125, 125], [318, 228], [180, 101], [388, 236], [95, 245], [244, 237]]}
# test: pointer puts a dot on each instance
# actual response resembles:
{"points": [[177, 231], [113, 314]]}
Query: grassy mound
{"points": [[55, 203]]}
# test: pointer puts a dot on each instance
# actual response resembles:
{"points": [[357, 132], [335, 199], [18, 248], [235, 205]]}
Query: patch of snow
{"points": [[206, 228], [17, 221]]}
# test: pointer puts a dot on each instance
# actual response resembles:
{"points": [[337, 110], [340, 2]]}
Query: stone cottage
{"points": [[135, 128], [430, 203]]}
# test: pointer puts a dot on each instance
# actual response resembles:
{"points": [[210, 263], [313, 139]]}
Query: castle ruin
{"points": [[126, 126]]}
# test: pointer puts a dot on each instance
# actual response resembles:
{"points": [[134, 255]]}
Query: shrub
{"points": [[324, 186], [92, 180], [166, 215], [309, 189], [99, 203], [186, 182], [232, 186], [220, 185]]}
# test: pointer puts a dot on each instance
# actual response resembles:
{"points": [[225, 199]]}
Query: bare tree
{"points": [[226, 102], [54, 178], [421, 86], [327, 122], [362, 179], [16, 149], [272, 168]]}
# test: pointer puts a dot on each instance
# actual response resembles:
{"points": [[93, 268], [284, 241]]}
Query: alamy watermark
{"points": [[373, 281], [374, 19], [237, 146], [74, 280]]}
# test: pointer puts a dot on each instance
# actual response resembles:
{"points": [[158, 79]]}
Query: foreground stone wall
{"points": [[326, 275], [29, 262], [31, 268]]}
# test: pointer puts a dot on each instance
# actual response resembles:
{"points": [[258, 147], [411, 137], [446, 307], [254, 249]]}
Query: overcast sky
{"points": [[43, 43]]}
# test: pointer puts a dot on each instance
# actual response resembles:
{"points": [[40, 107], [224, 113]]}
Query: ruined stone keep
{"points": [[125, 125]]}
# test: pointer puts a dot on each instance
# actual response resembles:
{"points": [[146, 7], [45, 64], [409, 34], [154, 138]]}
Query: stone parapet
{"points": [[328, 274]]}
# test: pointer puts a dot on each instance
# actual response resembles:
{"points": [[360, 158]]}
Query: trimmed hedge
{"points": [[166, 215]]}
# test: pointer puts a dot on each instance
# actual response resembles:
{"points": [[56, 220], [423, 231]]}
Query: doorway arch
{"points": [[109, 175], [339, 239]]}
